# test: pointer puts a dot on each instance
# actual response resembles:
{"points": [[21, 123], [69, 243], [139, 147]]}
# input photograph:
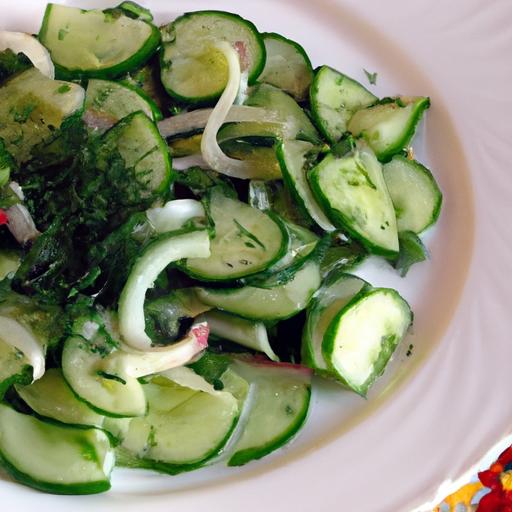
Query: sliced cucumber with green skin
{"points": [[293, 123], [51, 397], [107, 102], [246, 241], [110, 395], [59, 460], [25, 101], [247, 333], [292, 156], [287, 66], [9, 263], [142, 148], [275, 303], [14, 368], [335, 293], [414, 192], [278, 409], [389, 127], [95, 43], [334, 99], [193, 69], [362, 337], [184, 428], [355, 197]]}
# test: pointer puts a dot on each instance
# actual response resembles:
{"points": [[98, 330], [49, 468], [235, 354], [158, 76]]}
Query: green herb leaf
{"points": [[372, 77], [411, 251]]}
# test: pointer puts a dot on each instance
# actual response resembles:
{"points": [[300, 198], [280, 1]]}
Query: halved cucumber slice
{"points": [[246, 241], [60, 459], [139, 143], [247, 333], [193, 69], [362, 337], [287, 66], [292, 121], [110, 395], [32, 108], [275, 303], [293, 159], [102, 44], [184, 428], [107, 102], [335, 293], [334, 99], [414, 192], [51, 397], [14, 368], [355, 198], [278, 409], [389, 127]]}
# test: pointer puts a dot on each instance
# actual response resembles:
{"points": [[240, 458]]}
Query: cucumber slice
{"points": [[247, 333], [110, 395], [60, 459], [334, 99], [362, 337], [354, 195], [101, 44], [142, 148], [389, 127], [184, 428], [14, 368], [107, 102], [193, 69], [281, 398], [276, 303], [335, 293], [414, 192], [9, 263], [32, 108], [246, 241], [51, 397], [291, 121], [293, 159], [287, 66]]}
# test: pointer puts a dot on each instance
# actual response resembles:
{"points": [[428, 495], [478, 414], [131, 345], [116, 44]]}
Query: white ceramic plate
{"points": [[435, 413]]}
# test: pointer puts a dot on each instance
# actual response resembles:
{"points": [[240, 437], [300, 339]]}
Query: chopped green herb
{"points": [[62, 33], [63, 88], [372, 77]]}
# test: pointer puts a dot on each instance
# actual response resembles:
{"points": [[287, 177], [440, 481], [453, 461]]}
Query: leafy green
{"points": [[342, 254], [199, 181], [411, 251], [372, 77], [12, 63]]}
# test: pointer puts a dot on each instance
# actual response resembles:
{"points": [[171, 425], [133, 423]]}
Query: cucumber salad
{"points": [[181, 212]]}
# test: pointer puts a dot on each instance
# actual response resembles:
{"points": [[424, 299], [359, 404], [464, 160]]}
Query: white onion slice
{"points": [[174, 214], [159, 359], [18, 336], [20, 42], [197, 119], [210, 149], [21, 224]]}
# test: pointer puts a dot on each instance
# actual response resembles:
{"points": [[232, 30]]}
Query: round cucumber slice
{"points": [[51, 397], [414, 192], [111, 395], [278, 409], [362, 337], [60, 459], [193, 70], [287, 66], [246, 241], [334, 294], [185, 426], [107, 102], [102, 44]]}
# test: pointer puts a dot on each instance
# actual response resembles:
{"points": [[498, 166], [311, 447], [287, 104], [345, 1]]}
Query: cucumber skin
{"points": [[278, 256], [23, 378], [175, 469], [140, 58], [252, 78], [385, 156], [157, 113], [244, 456], [330, 335], [340, 221]]}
